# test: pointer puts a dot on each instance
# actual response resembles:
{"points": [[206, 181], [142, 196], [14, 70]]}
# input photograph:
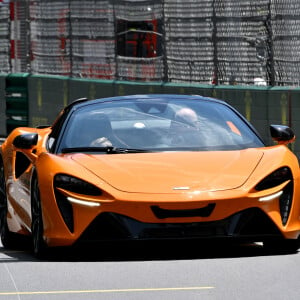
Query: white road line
{"points": [[17, 293], [109, 291]]}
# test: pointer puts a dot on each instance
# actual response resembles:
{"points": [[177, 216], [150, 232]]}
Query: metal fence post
{"points": [[270, 50]]}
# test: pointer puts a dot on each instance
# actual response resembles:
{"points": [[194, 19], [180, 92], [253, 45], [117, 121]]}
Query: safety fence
{"points": [[4, 40], [182, 41]]}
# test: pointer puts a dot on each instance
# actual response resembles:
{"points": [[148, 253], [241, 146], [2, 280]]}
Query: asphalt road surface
{"points": [[175, 271]]}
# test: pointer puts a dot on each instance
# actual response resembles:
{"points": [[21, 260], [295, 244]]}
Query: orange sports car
{"points": [[149, 167]]}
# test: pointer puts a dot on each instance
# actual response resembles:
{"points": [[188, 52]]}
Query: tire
{"points": [[8, 239], [284, 246], [39, 246]]}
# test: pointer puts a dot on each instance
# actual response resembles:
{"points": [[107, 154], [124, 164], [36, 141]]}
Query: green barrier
{"points": [[280, 105], [284, 108], [262, 106], [48, 96], [2, 106], [16, 98], [122, 88], [188, 89], [91, 89], [294, 117]]}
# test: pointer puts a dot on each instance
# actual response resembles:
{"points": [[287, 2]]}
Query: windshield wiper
{"points": [[108, 150]]}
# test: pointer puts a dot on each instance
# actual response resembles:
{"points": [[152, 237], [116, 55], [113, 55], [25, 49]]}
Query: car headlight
{"points": [[76, 185], [274, 179], [285, 196]]}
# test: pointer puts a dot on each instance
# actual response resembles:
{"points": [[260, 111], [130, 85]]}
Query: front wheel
{"points": [[37, 226]]}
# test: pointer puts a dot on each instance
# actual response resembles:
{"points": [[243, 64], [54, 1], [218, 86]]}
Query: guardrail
{"points": [[47, 95]]}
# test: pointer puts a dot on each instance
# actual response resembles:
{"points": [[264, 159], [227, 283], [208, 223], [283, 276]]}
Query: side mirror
{"points": [[282, 134], [26, 141]]}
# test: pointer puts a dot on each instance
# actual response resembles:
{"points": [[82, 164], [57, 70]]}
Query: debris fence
{"points": [[191, 41]]}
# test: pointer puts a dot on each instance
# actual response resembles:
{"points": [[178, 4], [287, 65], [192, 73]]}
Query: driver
{"points": [[185, 128], [187, 116]]}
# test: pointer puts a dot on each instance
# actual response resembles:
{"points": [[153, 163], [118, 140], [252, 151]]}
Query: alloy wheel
{"points": [[37, 227]]}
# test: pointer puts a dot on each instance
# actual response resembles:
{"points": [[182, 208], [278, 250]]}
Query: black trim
{"points": [[22, 163], [162, 213], [250, 225], [66, 210]]}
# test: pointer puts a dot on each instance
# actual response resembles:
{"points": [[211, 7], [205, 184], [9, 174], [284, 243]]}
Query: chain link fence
{"points": [[195, 41], [4, 39]]}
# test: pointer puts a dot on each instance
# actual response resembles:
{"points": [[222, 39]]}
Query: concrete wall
{"points": [[2, 106], [262, 106]]}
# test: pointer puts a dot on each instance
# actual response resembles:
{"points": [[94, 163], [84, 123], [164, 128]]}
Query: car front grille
{"points": [[161, 213], [251, 224]]}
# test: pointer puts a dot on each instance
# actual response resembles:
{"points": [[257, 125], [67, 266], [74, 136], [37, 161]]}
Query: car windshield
{"points": [[130, 126]]}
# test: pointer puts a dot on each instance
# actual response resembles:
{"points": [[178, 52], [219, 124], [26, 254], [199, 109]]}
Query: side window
{"points": [[56, 129]]}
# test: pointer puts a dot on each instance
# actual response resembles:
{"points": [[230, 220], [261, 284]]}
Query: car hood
{"points": [[171, 172]]}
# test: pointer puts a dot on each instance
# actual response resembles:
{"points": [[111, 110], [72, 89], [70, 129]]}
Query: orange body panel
{"points": [[221, 189], [132, 183]]}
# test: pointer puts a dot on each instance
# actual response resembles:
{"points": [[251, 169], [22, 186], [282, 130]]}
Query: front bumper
{"points": [[251, 217], [251, 224]]}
